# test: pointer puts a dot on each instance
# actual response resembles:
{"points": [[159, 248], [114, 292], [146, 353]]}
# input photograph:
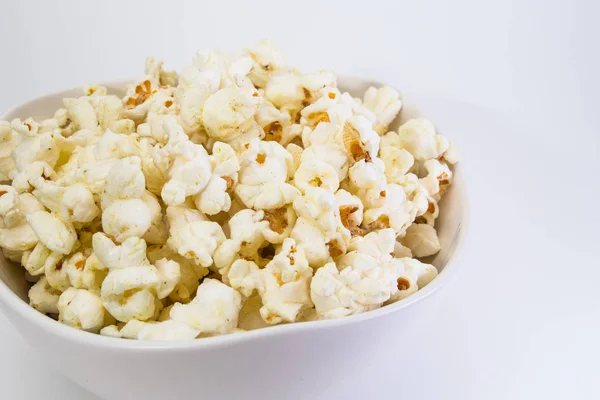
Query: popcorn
{"points": [[439, 177], [81, 113], [130, 293], [22, 180], [170, 274], [190, 170], [249, 317], [451, 154], [35, 260], [167, 330], [296, 152], [401, 251], [81, 138], [44, 297], [85, 272], [311, 240], [61, 124], [275, 124], [422, 240], [425, 272], [264, 170], [215, 197], [92, 174], [32, 146], [17, 233], [55, 274], [419, 138], [7, 166], [162, 103], [229, 112], [155, 167], [319, 206], [7, 144], [360, 140], [351, 211], [364, 279], [315, 173], [385, 103], [390, 209], [368, 174], [280, 223], [115, 145], [415, 193], [397, 162], [130, 253], [137, 99], [245, 276], [192, 235], [192, 105], [267, 59], [73, 203], [55, 234], [7, 139], [267, 196], [154, 68], [108, 111], [214, 310], [126, 218], [332, 155], [124, 180], [207, 69], [247, 229], [81, 309], [17, 256], [153, 128], [239, 194], [190, 273], [158, 232], [328, 108], [286, 285], [128, 331], [414, 275], [293, 90]]}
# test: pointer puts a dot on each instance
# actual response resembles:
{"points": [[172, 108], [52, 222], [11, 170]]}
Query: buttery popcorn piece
{"points": [[422, 240], [81, 309], [214, 310], [286, 285], [364, 279], [264, 170], [419, 137], [229, 112], [385, 103], [192, 235], [130, 293], [55, 234], [44, 297]]}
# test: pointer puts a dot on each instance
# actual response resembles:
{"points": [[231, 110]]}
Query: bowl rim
{"points": [[12, 301]]}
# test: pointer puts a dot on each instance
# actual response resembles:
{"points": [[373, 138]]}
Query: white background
{"points": [[513, 83]]}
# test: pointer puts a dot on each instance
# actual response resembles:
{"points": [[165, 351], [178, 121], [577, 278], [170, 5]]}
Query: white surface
{"points": [[512, 83]]}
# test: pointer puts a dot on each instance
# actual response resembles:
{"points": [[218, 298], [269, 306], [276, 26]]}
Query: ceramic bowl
{"points": [[286, 361]]}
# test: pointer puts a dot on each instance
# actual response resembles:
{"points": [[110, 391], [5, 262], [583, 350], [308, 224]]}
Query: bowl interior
{"points": [[448, 225]]}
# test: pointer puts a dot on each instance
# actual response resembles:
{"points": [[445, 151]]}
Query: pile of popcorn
{"points": [[239, 194]]}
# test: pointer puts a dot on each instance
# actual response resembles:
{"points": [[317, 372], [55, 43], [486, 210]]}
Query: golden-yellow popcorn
{"points": [[229, 112]]}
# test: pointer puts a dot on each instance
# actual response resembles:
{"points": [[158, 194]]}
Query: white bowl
{"points": [[297, 360]]}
